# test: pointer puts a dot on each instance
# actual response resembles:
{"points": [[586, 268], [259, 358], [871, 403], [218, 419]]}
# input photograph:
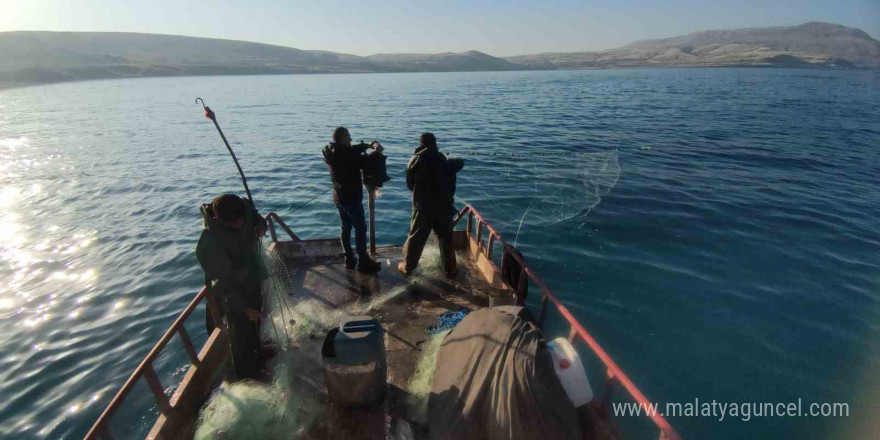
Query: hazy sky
{"points": [[364, 27]]}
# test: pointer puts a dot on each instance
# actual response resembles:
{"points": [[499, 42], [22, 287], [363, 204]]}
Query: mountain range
{"points": [[35, 57]]}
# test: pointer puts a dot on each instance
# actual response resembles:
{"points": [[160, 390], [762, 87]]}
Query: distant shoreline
{"points": [[29, 58], [19, 85]]}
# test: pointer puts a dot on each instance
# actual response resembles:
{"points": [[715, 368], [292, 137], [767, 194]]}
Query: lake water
{"points": [[734, 255]]}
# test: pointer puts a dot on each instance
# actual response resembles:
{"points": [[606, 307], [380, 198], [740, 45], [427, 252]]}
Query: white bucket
{"points": [[570, 371]]}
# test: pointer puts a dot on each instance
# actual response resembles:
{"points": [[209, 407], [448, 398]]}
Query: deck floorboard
{"points": [[405, 306]]}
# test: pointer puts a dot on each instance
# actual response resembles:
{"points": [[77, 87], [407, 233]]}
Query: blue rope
{"points": [[447, 321]]}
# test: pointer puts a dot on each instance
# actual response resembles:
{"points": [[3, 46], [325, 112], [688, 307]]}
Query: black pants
{"points": [[421, 225], [244, 336], [351, 214], [244, 345]]}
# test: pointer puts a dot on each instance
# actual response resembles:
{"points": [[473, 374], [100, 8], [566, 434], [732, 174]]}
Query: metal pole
{"points": [[371, 205], [210, 115]]}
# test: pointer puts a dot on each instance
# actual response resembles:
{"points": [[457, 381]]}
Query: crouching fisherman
{"points": [[346, 163], [229, 252]]}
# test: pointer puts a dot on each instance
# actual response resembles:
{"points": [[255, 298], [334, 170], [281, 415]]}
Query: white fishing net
{"points": [[420, 383], [542, 189], [295, 400]]}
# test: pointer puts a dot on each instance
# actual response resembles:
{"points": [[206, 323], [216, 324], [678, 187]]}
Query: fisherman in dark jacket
{"points": [[228, 251], [346, 161], [431, 178]]}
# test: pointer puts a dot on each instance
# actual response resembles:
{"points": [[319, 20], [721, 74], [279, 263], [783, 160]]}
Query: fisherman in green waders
{"points": [[229, 253], [431, 178]]}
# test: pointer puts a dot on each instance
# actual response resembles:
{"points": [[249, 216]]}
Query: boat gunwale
{"points": [[614, 372], [101, 429]]}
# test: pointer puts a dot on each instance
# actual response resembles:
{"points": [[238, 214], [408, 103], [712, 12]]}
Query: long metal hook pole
{"points": [[210, 115]]}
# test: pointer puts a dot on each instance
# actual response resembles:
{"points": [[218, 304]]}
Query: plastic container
{"points": [[354, 362], [570, 371]]}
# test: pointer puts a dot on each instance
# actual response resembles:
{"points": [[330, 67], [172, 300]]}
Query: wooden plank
{"points": [[214, 310], [489, 270], [120, 396], [460, 240], [490, 245], [188, 345], [309, 249], [194, 389], [156, 387]]}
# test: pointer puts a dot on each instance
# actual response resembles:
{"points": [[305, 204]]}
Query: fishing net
{"points": [[287, 406], [295, 401], [543, 189], [420, 383]]}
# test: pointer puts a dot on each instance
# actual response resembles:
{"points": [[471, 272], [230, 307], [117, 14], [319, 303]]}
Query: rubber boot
{"points": [[368, 265], [350, 263]]}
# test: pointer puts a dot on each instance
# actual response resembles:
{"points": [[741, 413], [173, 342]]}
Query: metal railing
{"points": [[145, 371], [271, 219], [613, 371]]}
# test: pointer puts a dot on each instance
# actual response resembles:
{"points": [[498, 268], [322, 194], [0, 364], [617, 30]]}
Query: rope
{"points": [[447, 321], [309, 201]]}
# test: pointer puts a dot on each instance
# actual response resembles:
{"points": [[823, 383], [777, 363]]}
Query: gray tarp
{"points": [[495, 380]]}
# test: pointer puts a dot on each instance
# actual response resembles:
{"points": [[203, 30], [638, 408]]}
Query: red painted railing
{"points": [[101, 428], [577, 330], [145, 370]]}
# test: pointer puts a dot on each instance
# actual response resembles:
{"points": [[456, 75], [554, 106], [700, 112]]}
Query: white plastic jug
{"points": [[570, 371]]}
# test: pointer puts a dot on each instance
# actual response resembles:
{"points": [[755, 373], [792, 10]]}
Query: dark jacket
{"points": [[232, 260], [345, 165], [431, 178]]}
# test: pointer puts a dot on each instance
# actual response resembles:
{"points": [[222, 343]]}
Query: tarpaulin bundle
{"points": [[495, 381]]}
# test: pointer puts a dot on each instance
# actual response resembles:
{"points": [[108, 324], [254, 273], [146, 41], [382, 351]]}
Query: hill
{"points": [[806, 45], [34, 57], [443, 62]]}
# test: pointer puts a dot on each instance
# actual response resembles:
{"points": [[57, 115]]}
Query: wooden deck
{"points": [[405, 306]]}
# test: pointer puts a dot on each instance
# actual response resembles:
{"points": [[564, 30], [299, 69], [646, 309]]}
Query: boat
{"points": [[491, 273]]}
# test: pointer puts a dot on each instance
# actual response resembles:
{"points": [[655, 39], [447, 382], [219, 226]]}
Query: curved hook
{"points": [[203, 102]]}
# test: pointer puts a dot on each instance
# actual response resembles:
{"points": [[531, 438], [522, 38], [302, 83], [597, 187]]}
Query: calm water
{"points": [[737, 258]]}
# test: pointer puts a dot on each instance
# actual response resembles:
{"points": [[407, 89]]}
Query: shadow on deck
{"points": [[405, 306]]}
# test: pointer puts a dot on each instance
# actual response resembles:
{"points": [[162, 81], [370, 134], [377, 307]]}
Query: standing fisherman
{"points": [[229, 252], [431, 178], [346, 162]]}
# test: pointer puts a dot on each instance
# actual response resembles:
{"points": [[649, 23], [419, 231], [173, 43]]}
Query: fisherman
{"points": [[346, 161], [431, 178], [228, 251]]}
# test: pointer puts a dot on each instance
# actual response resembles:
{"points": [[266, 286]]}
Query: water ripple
{"points": [[729, 250]]}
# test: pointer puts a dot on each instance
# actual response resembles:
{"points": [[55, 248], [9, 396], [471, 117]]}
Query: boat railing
{"points": [[271, 219], [101, 428], [144, 371], [614, 372]]}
